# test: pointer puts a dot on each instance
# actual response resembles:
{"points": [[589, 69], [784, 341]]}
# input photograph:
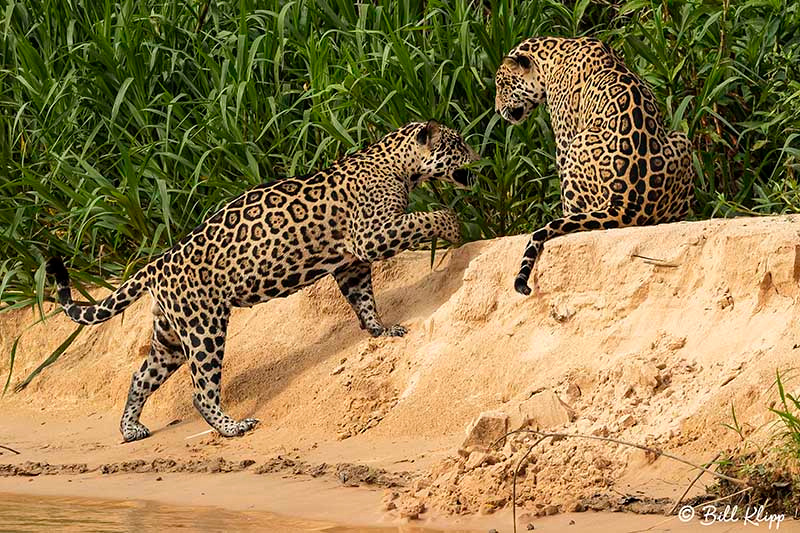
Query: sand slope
{"points": [[649, 351]]}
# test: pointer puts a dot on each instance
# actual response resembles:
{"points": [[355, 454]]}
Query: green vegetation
{"points": [[769, 466], [788, 413], [124, 124]]}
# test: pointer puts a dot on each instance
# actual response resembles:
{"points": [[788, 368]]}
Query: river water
{"points": [[24, 513]]}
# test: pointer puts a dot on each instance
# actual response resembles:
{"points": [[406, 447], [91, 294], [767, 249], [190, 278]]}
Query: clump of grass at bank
{"points": [[771, 471]]}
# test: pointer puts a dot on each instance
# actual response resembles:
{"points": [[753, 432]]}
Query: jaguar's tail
{"points": [[87, 314]]}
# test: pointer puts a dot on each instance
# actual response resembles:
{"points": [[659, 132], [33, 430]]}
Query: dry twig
{"points": [[447, 253], [699, 474], [656, 262], [9, 449], [514, 483], [544, 435], [201, 18]]}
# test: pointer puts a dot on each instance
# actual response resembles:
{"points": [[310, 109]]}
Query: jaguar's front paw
{"points": [[450, 230], [233, 428], [246, 425], [134, 431], [395, 331]]}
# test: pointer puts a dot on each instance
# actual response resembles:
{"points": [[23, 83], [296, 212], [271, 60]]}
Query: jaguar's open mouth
{"points": [[516, 113], [463, 177], [513, 114]]}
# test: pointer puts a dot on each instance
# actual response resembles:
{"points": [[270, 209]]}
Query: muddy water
{"points": [[23, 513]]}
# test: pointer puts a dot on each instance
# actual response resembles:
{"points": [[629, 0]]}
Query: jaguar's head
{"points": [[519, 86], [441, 154]]}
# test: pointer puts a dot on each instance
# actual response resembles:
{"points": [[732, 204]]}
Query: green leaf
{"points": [[120, 97], [52, 358]]}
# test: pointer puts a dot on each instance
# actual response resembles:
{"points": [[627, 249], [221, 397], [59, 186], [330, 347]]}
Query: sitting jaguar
{"points": [[271, 241], [618, 164]]}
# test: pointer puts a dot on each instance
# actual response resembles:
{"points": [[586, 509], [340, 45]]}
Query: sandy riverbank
{"points": [[653, 352]]}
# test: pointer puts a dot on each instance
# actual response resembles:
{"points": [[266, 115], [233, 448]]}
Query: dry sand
{"points": [[649, 335]]}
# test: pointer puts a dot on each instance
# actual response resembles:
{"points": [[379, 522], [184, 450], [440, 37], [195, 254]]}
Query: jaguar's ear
{"points": [[518, 62], [429, 133], [510, 62], [523, 61]]}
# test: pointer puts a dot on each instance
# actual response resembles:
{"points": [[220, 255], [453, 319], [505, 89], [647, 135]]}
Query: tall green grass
{"points": [[124, 124], [127, 123], [788, 413], [729, 75]]}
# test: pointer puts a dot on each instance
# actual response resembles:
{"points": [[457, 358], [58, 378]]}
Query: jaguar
{"points": [[618, 164], [271, 241]]}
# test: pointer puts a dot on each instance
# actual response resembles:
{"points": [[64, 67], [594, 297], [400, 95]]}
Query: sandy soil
{"points": [[649, 335]]}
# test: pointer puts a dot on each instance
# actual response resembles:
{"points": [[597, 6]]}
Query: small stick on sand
{"points": [[656, 262], [9, 449], [738, 492], [206, 432], [514, 483], [726, 497], [699, 474]]}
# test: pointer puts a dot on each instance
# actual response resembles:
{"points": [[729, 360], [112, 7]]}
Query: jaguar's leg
{"points": [[166, 355], [355, 282], [607, 194], [205, 349], [612, 217], [377, 239], [679, 178]]}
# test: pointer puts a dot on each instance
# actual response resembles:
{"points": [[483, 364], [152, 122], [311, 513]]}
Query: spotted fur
{"points": [[618, 164], [271, 241]]}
